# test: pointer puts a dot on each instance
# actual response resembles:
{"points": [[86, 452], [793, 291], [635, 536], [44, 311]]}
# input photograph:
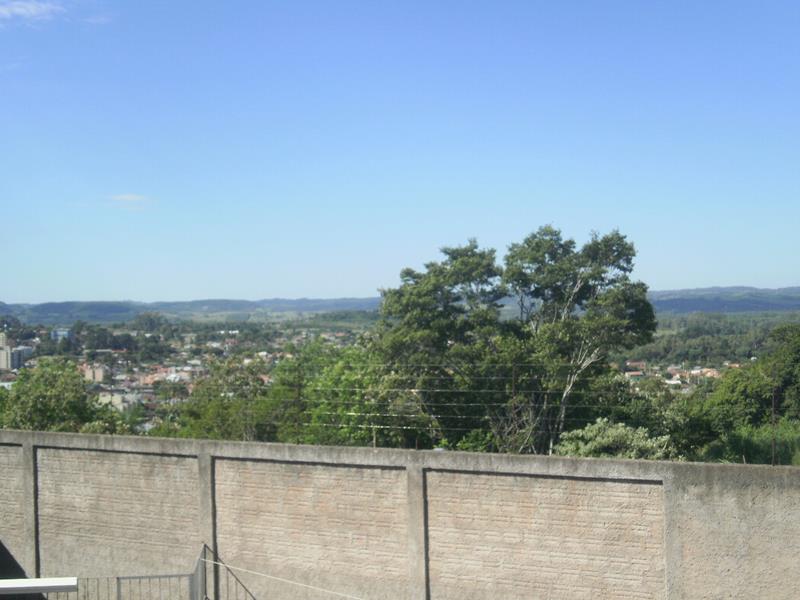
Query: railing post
{"points": [[205, 578], [199, 577]]}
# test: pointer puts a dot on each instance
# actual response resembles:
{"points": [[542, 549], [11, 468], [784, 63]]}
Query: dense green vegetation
{"points": [[709, 339], [53, 397], [328, 395], [468, 353], [443, 368], [152, 345], [349, 396]]}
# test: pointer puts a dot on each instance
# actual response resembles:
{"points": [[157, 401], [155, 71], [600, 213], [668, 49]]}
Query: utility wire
{"points": [[289, 581]]}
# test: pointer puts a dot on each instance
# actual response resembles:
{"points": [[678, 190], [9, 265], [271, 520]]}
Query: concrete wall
{"points": [[98, 511], [12, 501], [387, 524], [580, 538], [334, 527]]}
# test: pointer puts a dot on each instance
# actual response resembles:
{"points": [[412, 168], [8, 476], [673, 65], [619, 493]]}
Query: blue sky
{"points": [[177, 150]]}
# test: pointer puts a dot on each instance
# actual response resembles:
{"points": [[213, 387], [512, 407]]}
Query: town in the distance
{"points": [[148, 362], [143, 365], [306, 372]]}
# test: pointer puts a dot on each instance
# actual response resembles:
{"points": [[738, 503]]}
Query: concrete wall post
{"points": [[672, 538], [30, 561], [417, 534], [205, 465], [208, 513]]}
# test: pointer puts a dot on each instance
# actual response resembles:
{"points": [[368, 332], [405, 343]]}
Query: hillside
{"points": [[726, 300], [65, 313], [707, 300]]}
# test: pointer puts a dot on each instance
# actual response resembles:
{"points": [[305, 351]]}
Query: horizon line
{"points": [[376, 297]]}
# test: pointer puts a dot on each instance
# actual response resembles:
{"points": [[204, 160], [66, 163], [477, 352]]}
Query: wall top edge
{"points": [[668, 473]]}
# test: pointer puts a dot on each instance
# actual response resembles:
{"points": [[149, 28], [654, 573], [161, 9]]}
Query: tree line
{"points": [[447, 366]]}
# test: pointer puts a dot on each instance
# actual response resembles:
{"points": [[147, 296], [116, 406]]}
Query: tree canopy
{"points": [[470, 352], [444, 328], [53, 397]]}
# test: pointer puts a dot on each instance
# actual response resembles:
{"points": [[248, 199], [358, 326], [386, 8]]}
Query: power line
{"points": [[449, 365], [281, 579], [444, 390]]}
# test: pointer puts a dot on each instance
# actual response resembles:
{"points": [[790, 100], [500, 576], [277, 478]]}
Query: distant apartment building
{"points": [[25, 351], [19, 355], [6, 354], [12, 358]]}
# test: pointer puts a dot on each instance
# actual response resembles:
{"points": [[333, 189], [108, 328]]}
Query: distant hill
{"points": [[726, 300], [66, 313], [710, 300], [276, 305]]}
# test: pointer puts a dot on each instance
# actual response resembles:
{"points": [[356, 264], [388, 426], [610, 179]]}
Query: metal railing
{"points": [[216, 581], [142, 587], [211, 579], [155, 587]]}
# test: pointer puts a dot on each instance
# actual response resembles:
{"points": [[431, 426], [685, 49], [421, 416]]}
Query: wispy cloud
{"points": [[11, 66], [28, 10], [129, 198], [130, 201]]}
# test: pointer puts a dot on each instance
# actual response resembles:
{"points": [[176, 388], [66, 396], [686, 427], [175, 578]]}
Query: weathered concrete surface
{"points": [[102, 512], [735, 532], [519, 537], [334, 527], [402, 524], [12, 504]]}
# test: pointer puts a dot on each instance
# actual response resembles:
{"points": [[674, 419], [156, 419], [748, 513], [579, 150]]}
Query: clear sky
{"points": [[170, 150]]}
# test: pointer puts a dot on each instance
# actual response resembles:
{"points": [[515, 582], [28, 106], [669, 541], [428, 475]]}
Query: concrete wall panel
{"points": [[738, 533], [12, 502], [334, 527], [500, 536], [114, 513]]}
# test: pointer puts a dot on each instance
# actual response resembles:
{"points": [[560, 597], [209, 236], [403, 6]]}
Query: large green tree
{"points": [[476, 371], [576, 305], [53, 397], [439, 335]]}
